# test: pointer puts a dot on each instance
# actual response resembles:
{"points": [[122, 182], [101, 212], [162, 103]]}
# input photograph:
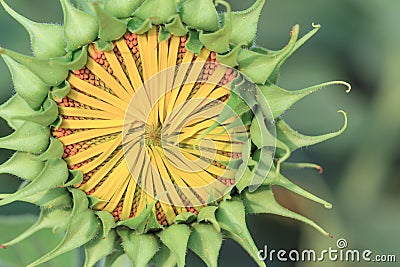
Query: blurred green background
{"points": [[359, 42]]}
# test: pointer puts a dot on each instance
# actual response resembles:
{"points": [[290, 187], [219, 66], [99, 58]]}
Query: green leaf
{"points": [[274, 76], [79, 59], [80, 28], [245, 179], [16, 111], [47, 40], [85, 6], [138, 223], [114, 259], [53, 175], [199, 14], [139, 26], [206, 242], [33, 247], [282, 153], [56, 219], [23, 165], [284, 182], [160, 10], [239, 101], [122, 260], [32, 89], [257, 171], [219, 40], [259, 133], [121, 8], [193, 43], [104, 45], [164, 258], [263, 201], [231, 218], [294, 140], [207, 214], [54, 151], [94, 201], [140, 248], [230, 58], [48, 199], [110, 28], [163, 35], [259, 65], [152, 223], [176, 27], [185, 217], [51, 71], [82, 228], [98, 248], [75, 177], [107, 221], [244, 23], [175, 237], [60, 91], [281, 100]]}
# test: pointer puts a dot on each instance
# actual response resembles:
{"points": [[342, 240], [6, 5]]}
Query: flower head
{"points": [[151, 124]]}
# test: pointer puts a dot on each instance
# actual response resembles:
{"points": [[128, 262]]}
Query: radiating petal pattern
{"points": [[143, 121]]}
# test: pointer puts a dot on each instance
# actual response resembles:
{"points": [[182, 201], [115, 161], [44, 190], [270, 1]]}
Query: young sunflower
{"points": [[151, 127]]}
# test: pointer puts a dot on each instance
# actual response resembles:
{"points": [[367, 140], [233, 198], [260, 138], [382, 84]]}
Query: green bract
{"points": [[40, 81]]}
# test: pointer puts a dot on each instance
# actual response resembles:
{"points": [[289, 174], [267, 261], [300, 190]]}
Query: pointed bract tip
{"points": [[348, 87], [348, 90], [294, 28], [225, 4], [319, 169], [316, 25], [345, 118]]}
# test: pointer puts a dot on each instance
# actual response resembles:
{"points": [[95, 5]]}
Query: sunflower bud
{"points": [[151, 124]]}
